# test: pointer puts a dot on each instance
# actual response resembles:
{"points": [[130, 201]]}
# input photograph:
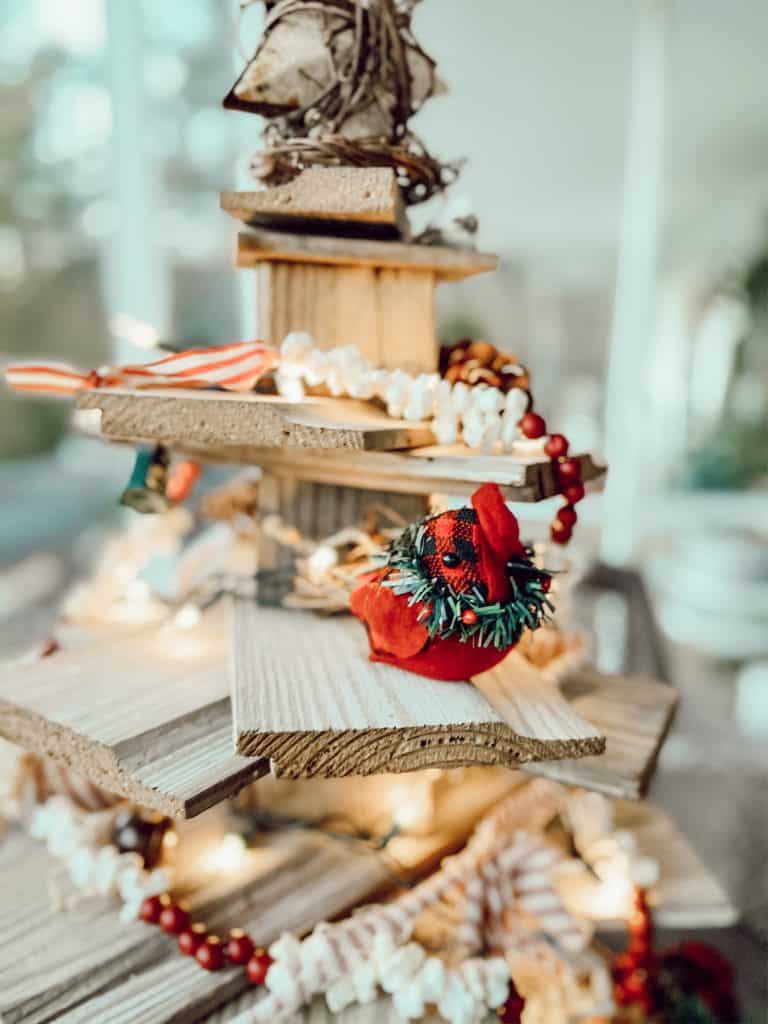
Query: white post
{"points": [[139, 286], [636, 279]]}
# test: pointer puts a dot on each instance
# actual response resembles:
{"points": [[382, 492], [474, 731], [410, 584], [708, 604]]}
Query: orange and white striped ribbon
{"points": [[234, 367]]}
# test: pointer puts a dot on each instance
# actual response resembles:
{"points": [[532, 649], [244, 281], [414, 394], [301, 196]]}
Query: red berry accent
{"points": [[174, 919], [573, 494], [569, 472], [240, 948], [150, 910], [210, 955], [532, 425], [546, 584], [567, 516], [258, 966], [191, 939], [556, 447], [469, 617], [559, 532]]}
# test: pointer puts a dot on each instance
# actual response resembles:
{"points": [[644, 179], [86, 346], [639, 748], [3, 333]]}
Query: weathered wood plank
{"points": [[306, 696], [322, 879], [634, 713], [453, 470], [145, 715], [330, 197], [448, 264], [217, 419], [291, 881]]}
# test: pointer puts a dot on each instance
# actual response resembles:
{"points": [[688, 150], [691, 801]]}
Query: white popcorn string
{"points": [[480, 416]]}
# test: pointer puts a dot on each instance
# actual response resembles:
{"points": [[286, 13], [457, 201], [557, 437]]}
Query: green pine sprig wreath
{"points": [[500, 624]]}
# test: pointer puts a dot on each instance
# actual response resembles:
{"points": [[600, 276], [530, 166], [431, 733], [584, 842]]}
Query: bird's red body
{"points": [[398, 638], [467, 549]]}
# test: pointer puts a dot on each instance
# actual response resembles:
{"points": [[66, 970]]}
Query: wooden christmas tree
{"points": [[353, 428]]}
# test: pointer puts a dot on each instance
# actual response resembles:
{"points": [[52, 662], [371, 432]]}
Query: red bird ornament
{"points": [[455, 594]]}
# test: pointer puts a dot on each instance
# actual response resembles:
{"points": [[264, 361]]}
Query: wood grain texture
{"points": [[388, 314], [136, 715], [365, 196], [455, 470], [223, 420], [634, 713], [290, 882], [448, 264], [306, 696]]}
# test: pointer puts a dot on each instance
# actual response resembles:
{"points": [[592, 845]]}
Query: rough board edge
{"points": [[372, 751], [257, 246], [209, 419]]}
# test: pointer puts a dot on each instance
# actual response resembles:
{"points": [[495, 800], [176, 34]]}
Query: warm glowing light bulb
{"points": [[230, 854], [187, 617]]}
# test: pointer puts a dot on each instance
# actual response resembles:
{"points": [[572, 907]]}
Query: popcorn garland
{"points": [[519, 945], [481, 416], [501, 882], [92, 865]]}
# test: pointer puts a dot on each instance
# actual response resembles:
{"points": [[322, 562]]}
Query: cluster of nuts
{"points": [[479, 362]]}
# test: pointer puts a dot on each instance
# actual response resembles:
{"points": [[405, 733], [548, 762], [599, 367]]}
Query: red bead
{"points": [[556, 447], [567, 516], [191, 939], [240, 948], [532, 425], [569, 472], [512, 1010], [173, 919], [573, 493], [210, 955], [559, 532], [150, 910], [258, 966], [469, 617]]}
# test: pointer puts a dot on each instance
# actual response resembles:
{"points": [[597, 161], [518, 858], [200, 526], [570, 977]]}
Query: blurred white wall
{"points": [[539, 95]]}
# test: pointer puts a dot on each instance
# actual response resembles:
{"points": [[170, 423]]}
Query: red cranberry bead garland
{"points": [[208, 950], [568, 472], [240, 947], [210, 954], [556, 446], [173, 919], [150, 910], [191, 939], [258, 966], [532, 425]]}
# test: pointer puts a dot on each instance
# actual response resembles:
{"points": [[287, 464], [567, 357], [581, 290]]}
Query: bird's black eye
{"points": [[450, 560]]}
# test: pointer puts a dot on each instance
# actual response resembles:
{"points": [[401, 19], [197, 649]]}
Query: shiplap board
{"points": [[454, 470], [228, 422], [143, 714], [446, 263], [306, 696], [634, 713]]}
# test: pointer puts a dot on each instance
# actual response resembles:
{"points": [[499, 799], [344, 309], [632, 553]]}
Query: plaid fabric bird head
{"points": [[468, 548]]}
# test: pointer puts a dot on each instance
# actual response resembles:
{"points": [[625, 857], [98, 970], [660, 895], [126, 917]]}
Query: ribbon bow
{"points": [[234, 367]]}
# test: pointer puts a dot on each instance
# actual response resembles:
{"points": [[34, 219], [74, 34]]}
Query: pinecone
{"points": [[479, 362]]}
